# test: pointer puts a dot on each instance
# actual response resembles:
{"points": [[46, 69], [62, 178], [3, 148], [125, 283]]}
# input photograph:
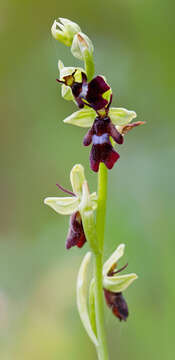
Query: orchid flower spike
{"points": [[79, 205], [114, 284]]}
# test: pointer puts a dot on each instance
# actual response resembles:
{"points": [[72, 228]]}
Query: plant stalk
{"points": [[98, 267]]}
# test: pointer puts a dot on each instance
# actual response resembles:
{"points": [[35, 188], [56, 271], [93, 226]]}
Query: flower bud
{"points": [[64, 31], [81, 43]]}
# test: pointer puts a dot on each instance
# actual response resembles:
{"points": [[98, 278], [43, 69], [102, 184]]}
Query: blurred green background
{"points": [[134, 48]]}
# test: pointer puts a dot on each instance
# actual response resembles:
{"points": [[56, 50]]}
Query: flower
{"points": [[70, 77], [115, 284], [105, 123], [65, 30], [91, 94], [76, 206]]}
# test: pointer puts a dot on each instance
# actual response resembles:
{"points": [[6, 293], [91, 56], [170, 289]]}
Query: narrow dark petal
{"points": [[76, 235], [117, 304], [115, 134], [111, 273], [65, 190], [88, 138], [60, 81]]}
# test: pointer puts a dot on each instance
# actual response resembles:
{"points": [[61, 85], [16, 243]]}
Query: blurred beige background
{"points": [[134, 48]]}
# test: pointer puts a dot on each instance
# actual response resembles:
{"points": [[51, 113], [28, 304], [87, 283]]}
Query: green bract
{"points": [[116, 283], [64, 30], [79, 202], [82, 291]]}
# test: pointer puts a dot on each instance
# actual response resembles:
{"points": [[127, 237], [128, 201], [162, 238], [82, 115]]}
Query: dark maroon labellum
{"points": [[117, 304], [76, 235], [102, 149], [96, 88]]}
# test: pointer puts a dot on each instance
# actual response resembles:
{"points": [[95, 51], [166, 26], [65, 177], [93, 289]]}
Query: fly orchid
{"points": [[76, 206], [114, 284], [105, 123]]}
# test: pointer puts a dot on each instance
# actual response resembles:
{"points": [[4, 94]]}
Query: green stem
{"points": [[89, 64], [100, 226], [101, 209], [98, 268]]}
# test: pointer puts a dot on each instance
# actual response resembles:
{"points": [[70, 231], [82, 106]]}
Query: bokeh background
{"points": [[134, 48]]}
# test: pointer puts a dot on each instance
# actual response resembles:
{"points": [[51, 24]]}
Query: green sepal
{"points": [[63, 205], [77, 179], [121, 116], [111, 263], [83, 118], [118, 283]]}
